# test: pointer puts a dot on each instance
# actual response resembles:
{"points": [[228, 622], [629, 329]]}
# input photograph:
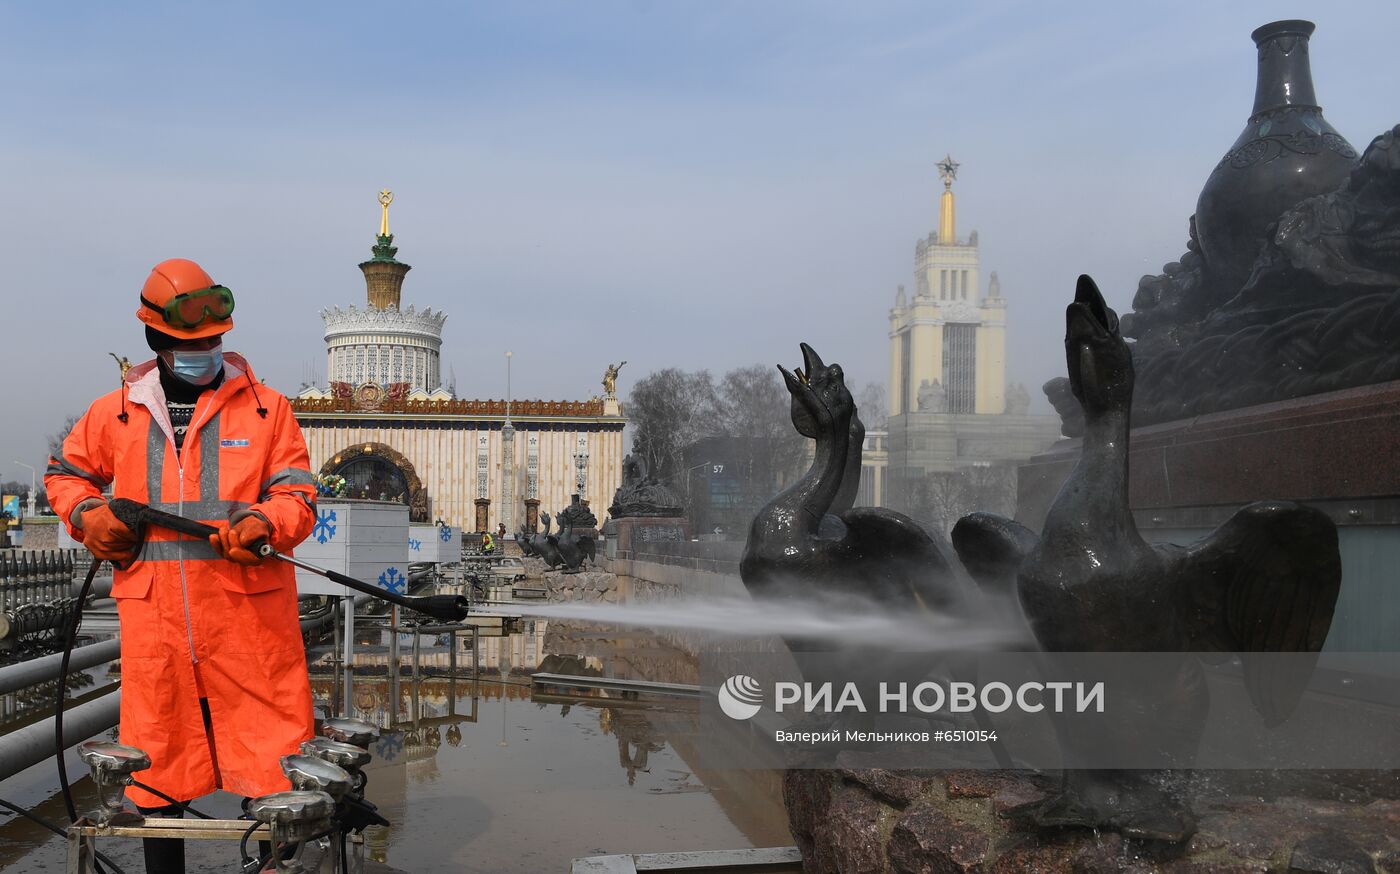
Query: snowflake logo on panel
{"points": [[394, 581], [445, 533], [325, 526], [389, 746]]}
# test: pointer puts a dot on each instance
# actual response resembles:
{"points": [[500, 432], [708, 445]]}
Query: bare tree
{"points": [[872, 406], [755, 412], [56, 440], [670, 409], [939, 500], [992, 488]]}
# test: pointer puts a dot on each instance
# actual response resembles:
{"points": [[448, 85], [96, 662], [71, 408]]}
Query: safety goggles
{"points": [[193, 308]]}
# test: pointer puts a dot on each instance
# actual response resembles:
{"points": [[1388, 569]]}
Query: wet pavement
{"points": [[490, 775]]}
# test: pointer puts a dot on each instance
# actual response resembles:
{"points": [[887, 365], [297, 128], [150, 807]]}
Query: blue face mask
{"points": [[195, 368]]}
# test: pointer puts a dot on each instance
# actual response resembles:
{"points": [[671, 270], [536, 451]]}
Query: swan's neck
{"points": [[817, 490], [1099, 494], [850, 472]]}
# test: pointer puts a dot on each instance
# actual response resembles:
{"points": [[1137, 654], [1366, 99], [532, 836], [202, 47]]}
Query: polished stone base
{"points": [[1338, 447]]}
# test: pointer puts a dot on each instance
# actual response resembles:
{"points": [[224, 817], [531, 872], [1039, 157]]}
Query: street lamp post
{"points": [[508, 461], [33, 493], [504, 665]]}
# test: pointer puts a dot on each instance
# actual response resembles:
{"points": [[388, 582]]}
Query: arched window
{"points": [[375, 479]]}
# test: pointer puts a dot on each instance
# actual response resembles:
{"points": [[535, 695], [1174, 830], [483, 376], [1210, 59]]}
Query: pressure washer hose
{"points": [[70, 637], [137, 516], [59, 698], [51, 826]]}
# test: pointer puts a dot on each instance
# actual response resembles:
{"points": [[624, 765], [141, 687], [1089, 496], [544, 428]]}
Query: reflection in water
{"points": [[487, 774], [24, 706], [527, 781], [635, 739]]}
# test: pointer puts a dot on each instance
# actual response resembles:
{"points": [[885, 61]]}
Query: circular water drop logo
{"points": [[740, 697]]}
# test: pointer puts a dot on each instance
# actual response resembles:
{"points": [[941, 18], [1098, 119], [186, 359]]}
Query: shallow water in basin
{"points": [[492, 776]]}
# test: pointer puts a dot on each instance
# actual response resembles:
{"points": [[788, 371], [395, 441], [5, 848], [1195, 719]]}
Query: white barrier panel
{"points": [[367, 540], [440, 544]]}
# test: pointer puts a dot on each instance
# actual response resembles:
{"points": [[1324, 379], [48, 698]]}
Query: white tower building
{"points": [[383, 350]]}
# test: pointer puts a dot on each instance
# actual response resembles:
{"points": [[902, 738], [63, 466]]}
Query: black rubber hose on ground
{"points": [[71, 636], [53, 827], [183, 805]]}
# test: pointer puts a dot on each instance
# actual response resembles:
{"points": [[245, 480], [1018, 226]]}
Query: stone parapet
{"points": [[519, 410], [636, 536], [42, 532], [582, 586]]}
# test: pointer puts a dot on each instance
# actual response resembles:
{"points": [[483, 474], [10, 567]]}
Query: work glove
{"points": [[237, 540], [106, 536]]}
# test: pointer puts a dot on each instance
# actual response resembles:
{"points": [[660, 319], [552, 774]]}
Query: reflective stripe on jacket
{"points": [[194, 625]]}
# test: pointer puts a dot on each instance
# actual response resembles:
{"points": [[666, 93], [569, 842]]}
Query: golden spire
{"points": [[386, 197], [947, 223]]}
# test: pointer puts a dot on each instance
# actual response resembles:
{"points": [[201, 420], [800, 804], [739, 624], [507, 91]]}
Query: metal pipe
{"points": [[348, 639], [684, 690], [333, 613], [316, 622], [33, 744], [13, 677], [101, 588], [33, 618]]}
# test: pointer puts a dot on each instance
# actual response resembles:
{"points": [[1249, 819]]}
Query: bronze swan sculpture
{"points": [[809, 536], [1267, 580]]}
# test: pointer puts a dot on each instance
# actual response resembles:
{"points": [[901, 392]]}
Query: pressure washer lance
{"points": [[136, 516]]}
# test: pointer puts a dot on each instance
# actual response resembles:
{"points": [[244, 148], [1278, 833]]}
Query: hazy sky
{"points": [[691, 184]]}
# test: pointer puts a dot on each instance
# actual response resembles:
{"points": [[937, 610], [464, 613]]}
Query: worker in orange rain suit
{"points": [[214, 679]]}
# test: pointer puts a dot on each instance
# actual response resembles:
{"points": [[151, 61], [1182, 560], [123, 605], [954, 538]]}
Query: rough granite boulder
{"points": [[932, 822]]}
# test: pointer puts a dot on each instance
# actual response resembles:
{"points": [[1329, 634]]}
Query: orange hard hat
{"points": [[175, 277]]}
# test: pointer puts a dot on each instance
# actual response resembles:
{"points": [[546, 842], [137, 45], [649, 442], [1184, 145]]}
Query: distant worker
{"points": [[214, 680], [488, 545]]}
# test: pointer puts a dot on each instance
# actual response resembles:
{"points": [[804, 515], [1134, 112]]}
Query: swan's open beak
{"points": [[811, 361], [1089, 316], [796, 382], [801, 377], [1099, 361]]}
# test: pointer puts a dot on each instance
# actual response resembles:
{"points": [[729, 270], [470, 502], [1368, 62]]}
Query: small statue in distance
{"points": [[610, 379]]}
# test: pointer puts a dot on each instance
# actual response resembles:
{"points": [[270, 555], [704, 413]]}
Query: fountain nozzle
{"points": [[112, 765]]}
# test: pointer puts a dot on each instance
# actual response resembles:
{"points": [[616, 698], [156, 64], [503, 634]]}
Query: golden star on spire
{"points": [[386, 197], [948, 170]]}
